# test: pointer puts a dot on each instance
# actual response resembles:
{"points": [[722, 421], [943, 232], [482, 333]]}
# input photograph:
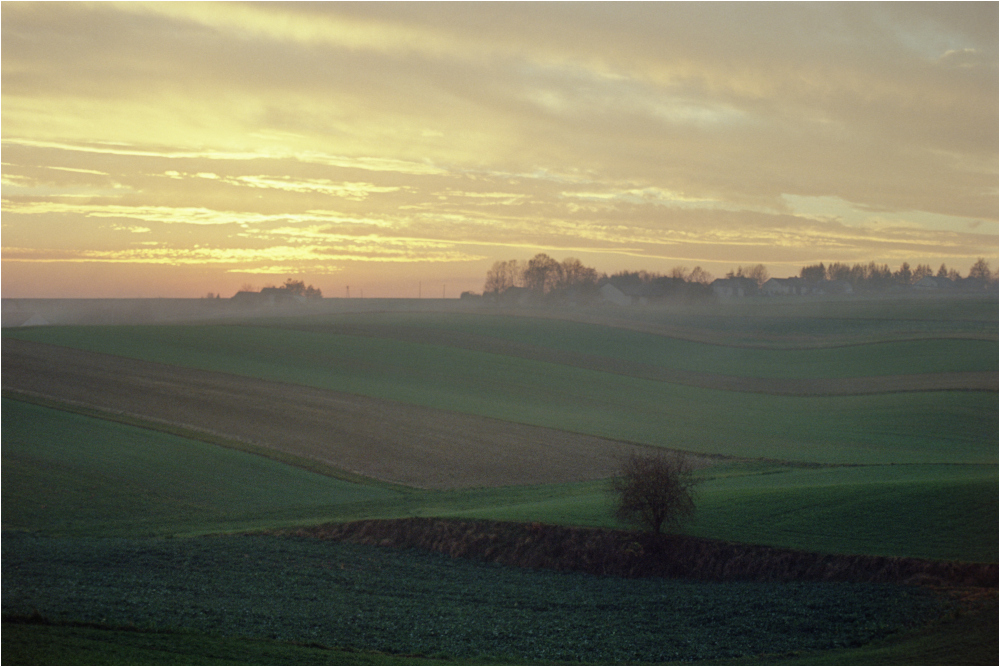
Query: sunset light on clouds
{"points": [[172, 149]]}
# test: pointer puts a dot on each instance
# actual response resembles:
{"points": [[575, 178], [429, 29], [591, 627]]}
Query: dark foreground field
{"points": [[416, 602], [247, 493], [298, 599]]}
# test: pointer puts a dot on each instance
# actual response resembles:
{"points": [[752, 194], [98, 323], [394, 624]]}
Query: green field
{"points": [[105, 516], [906, 427], [65, 473], [129, 481], [828, 356]]}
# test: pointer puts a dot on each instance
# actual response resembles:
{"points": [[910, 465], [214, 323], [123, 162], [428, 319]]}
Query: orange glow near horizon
{"points": [[175, 149]]}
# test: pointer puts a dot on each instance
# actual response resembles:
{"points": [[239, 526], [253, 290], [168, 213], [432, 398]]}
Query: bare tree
{"points": [[981, 270], [574, 273], [542, 273], [922, 271], [700, 275], [757, 273], [838, 271], [502, 276], [904, 275], [654, 490], [813, 273]]}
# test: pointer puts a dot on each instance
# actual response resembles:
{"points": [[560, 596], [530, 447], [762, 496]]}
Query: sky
{"points": [[174, 149]]}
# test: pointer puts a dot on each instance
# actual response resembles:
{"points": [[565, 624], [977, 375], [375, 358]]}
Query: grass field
{"points": [[102, 512], [130, 481], [829, 357], [835, 357], [902, 427], [65, 473]]}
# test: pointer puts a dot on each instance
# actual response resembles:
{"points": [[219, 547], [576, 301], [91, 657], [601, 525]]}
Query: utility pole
{"points": [[348, 291], [420, 287]]}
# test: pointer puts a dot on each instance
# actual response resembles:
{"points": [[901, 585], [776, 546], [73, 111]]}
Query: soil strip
{"points": [[384, 440]]}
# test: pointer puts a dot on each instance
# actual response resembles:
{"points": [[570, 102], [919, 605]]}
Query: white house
{"points": [[934, 283], [611, 293], [784, 286], [734, 288]]}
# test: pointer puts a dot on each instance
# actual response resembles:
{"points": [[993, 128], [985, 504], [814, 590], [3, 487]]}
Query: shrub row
{"points": [[629, 554]]}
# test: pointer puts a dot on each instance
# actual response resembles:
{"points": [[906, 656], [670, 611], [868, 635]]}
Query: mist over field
{"points": [[849, 439], [500, 333]]}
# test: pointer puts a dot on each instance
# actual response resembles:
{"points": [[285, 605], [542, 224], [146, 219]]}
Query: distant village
{"points": [[543, 279]]}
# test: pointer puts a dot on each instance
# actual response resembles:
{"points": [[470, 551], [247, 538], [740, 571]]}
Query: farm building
{"points": [[832, 287], [633, 289], [611, 293], [784, 286], [734, 288], [934, 283]]}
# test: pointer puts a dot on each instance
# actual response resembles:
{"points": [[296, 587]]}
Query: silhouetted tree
{"points": [[757, 273], [922, 271], [903, 275], [502, 276], [981, 270], [654, 490], [878, 276], [574, 273], [700, 275], [838, 271], [813, 273], [542, 273], [299, 288]]}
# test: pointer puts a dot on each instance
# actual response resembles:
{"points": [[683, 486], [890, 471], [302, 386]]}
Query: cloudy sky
{"points": [[173, 149]]}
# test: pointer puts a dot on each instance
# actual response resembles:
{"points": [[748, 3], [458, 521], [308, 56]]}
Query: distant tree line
{"points": [[757, 273], [289, 289], [299, 288], [541, 274], [873, 276], [544, 276]]}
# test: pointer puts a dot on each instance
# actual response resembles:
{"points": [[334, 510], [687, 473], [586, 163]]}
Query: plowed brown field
{"points": [[384, 440]]}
